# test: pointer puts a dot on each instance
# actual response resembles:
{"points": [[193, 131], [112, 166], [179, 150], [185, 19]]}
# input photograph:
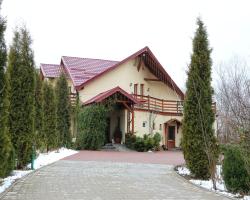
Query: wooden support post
{"points": [[133, 119], [128, 121]]}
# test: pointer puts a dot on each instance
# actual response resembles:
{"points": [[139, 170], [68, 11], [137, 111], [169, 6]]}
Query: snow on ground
{"points": [[16, 174], [221, 188], [48, 158], [42, 160], [183, 171]]}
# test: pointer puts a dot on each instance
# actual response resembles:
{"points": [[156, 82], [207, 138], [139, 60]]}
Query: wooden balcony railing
{"points": [[161, 105]]}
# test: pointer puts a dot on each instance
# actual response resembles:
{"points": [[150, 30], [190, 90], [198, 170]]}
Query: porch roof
{"points": [[104, 95], [173, 120]]}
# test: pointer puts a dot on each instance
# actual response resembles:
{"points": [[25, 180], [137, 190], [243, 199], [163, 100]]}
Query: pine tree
{"points": [[63, 111], [6, 150], [199, 143], [22, 88], [49, 117], [38, 112]]}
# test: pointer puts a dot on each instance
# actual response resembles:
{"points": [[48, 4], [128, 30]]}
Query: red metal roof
{"points": [[101, 96], [83, 69], [50, 70]]}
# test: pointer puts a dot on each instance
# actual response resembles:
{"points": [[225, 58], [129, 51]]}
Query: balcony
{"points": [[162, 106], [159, 105]]}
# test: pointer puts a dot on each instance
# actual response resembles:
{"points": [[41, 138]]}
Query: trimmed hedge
{"points": [[234, 172]]}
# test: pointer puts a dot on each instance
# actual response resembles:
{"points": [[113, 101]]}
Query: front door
{"points": [[170, 136]]}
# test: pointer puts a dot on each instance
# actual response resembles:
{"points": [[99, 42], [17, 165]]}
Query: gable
{"points": [[126, 76], [147, 58]]}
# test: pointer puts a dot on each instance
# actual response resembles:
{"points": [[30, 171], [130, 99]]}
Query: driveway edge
{"points": [[205, 189], [20, 179]]}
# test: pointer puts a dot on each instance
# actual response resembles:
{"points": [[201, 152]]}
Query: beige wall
{"points": [[141, 116], [125, 76]]}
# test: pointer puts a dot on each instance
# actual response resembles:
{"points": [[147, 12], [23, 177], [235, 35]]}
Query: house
{"points": [[146, 98]]}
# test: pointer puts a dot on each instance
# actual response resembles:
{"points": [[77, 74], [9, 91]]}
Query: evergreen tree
{"points": [[91, 127], [22, 88], [63, 111], [49, 117], [199, 143], [6, 149], [38, 112], [75, 109]]}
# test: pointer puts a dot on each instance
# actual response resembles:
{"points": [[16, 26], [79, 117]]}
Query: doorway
{"points": [[170, 136]]}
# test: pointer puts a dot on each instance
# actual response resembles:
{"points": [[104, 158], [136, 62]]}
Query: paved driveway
{"points": [[161, 157], [76, 178]]}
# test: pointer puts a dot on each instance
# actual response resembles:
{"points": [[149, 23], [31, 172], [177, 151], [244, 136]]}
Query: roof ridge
{"points": [[91, 58], [49, 64]]}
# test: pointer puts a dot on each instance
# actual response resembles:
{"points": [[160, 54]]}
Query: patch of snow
{"points": [[16, 174], [42, 160], [183, 171], [50, 157], [208, 184]]}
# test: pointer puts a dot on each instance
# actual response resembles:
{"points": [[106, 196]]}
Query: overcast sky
{"points": [[113, 29]]}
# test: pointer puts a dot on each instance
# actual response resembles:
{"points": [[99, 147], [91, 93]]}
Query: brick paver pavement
{"points": [[161, 157], [78, 179]]}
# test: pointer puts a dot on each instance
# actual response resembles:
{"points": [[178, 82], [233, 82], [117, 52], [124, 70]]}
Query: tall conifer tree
{"points": [[199, 144], [63, 111], [38, 112], [6, 149], [49, 117], [22, 88]]}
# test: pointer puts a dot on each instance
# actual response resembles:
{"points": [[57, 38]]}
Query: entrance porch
{"points": [[120, 119]]}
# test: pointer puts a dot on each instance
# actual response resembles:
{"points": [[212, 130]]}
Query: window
{"points": [[160, 127], [135, 89], [144, 124], [142, 89], [69, 89]]}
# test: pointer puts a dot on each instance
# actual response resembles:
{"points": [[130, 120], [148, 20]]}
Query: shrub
{"points": [[92, 125], [234, 172], [130, 140], [149, 143], [139, 144], [144, 143], [157, 139]]}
